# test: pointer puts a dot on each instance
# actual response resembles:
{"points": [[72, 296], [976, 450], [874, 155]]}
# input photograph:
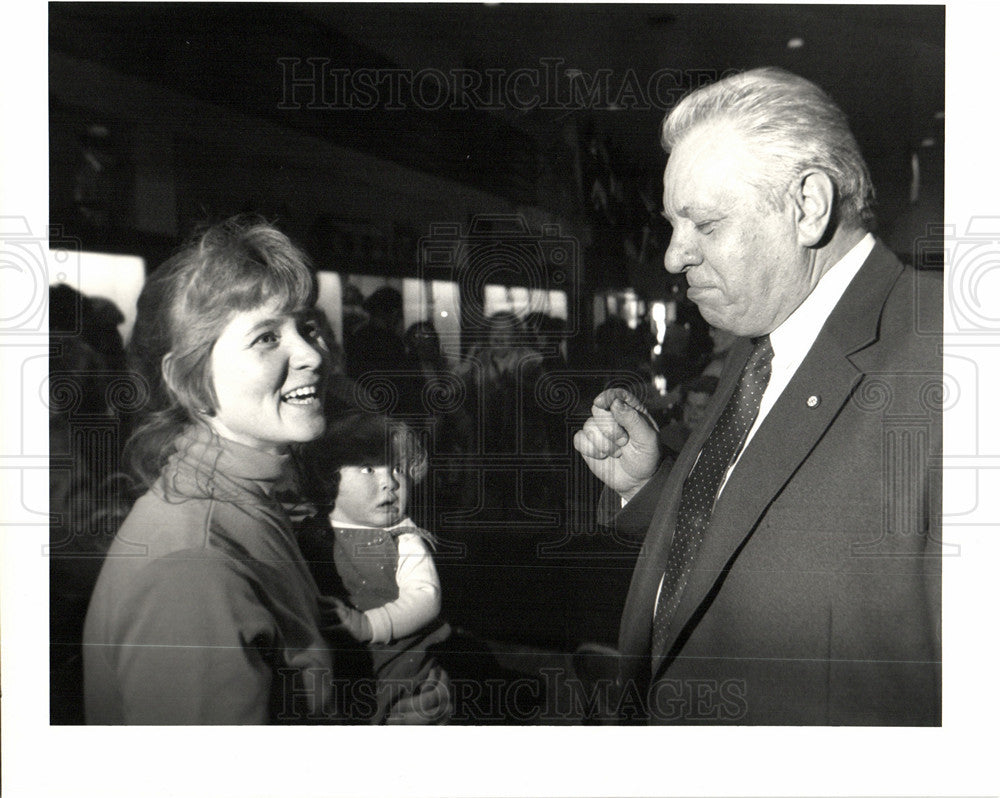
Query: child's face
{"points": [[371, 495]]}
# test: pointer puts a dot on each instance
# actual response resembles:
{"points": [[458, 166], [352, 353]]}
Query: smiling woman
{"points": [[205, 611], [266, 381]]}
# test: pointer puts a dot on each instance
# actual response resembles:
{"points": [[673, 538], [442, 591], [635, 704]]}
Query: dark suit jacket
{"points": [[815, 595]]}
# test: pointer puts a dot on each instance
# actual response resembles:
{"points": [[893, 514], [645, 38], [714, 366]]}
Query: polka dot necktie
{"points": [[701, 487]]}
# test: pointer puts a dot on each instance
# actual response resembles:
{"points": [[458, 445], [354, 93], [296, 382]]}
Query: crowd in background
{"points": [[497, 424]]}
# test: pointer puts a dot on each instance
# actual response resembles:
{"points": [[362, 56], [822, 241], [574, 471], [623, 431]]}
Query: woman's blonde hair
{"points": [[233, 266]]}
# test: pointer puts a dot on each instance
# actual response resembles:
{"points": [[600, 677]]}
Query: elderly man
{"points": [[791, 567]]}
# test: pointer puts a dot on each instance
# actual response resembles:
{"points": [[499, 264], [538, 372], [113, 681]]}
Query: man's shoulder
{"points": [[913, 283], [904, 305], [914, 308]]}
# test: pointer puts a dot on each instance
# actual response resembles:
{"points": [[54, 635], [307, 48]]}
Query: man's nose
{"points": [[681, 253]]}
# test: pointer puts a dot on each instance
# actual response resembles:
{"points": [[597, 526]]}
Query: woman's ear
{"points": [[813, 196]]}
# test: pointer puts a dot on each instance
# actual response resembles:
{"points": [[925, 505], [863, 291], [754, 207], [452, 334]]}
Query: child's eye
{"points": [[367, 470], [310, 329]]}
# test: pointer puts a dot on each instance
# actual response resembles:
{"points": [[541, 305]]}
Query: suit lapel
{"points": [[789, 432], [637, 615]]}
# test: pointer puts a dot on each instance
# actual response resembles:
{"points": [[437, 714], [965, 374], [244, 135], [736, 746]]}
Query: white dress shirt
{"points": [[794, 337]]}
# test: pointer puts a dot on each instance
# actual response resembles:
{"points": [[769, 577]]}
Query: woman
{"points": [[205, 611]]}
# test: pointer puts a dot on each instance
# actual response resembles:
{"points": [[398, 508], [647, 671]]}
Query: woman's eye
{"points": [[266, 338]]}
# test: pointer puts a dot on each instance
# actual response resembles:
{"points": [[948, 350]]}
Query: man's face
{"points": [[744, 266]]}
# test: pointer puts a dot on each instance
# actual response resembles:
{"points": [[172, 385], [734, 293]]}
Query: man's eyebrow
{"points": [[687, 211]]}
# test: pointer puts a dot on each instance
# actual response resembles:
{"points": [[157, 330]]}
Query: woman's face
{"points": [[267, 371]]}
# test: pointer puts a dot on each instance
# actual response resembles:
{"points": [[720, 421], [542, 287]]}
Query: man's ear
{"points": [[813, 196]]}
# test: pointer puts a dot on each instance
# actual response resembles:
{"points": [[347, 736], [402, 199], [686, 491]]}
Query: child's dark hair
{"points": [[358, 439]]}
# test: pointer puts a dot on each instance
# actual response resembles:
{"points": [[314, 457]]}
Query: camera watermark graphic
{"points": [[551, 85], [971, 263], [26, 265], [969, 256]]}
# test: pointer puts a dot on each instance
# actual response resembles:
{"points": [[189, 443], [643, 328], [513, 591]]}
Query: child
{"points": [[361, 471]]}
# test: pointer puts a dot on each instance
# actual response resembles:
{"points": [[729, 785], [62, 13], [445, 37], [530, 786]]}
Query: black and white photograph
{"points": [[596, 389]]}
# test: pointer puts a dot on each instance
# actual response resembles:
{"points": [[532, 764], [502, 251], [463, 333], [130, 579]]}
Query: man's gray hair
{"points": [[792, 125]]}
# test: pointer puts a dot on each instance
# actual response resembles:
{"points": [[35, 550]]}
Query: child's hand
{"points": [[335, 615]]}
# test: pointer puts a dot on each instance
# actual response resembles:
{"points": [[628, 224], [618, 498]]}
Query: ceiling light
{"points": [[928, 142], [795, 43], [661, 20]]}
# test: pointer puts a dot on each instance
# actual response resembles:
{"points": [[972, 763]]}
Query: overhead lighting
{"points": [[795, 43], [928, 142], [661, 20]]}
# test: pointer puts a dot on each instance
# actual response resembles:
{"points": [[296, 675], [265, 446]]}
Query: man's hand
{"points": [[338, 616], [619, 442], [430, 705]]}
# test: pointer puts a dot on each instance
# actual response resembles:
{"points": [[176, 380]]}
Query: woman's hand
{"points": [[619, 442], [430, 705], [337, 616]]}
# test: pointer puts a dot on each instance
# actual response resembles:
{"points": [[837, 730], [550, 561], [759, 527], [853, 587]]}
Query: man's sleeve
{"points": [[634, 517]]}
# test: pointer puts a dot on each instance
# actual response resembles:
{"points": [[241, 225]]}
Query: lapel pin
{"points": [[812, 401]]}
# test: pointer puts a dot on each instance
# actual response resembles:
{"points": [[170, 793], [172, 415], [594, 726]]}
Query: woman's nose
{"points": [[307, 353]]}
